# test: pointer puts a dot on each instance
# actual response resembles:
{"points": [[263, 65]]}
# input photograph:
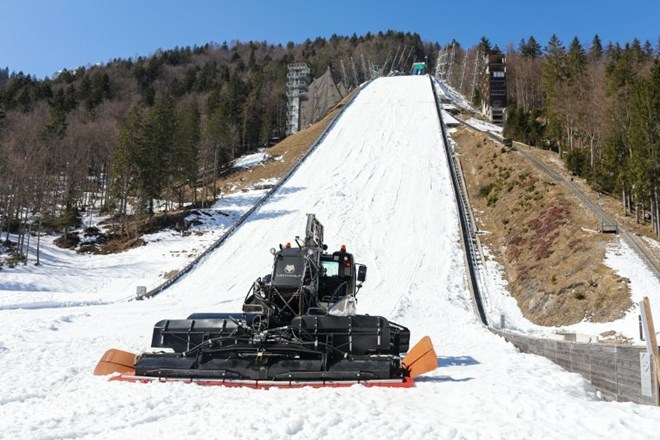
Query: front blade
{"points": [[115, 361], [421, 359]]}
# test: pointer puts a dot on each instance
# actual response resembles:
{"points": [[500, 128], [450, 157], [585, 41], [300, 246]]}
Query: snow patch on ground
{"points": [[449, 119], [251, 160], [485, 126], [500, 302]]}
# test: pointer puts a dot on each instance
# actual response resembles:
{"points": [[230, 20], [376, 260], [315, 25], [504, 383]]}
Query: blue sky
{"points": [[42, 36]]}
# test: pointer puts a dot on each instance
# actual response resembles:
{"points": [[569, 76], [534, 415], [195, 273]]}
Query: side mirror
{"points": [[362, 273]]}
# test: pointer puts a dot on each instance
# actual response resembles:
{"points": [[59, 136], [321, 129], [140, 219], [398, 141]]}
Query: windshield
{"points": [[330, 268]]}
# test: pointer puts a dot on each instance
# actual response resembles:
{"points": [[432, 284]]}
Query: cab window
{"points": [[330, 268]]}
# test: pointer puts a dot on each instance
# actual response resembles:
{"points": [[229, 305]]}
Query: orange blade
{"points": [[421, 359], [115, 361]]}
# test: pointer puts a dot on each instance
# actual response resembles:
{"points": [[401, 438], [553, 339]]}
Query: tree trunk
{"points": [[215, 170], [657, 212], [18, 250], [104, 188], [592, 162], [38, 240], [9, 214], [27, 247], [22, 227], [624, 200]]}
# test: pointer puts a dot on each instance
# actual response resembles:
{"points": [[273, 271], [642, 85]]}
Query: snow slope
{"points": [[379, 183], [65, 278]]}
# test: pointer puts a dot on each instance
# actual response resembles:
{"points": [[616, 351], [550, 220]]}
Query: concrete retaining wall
{"points": [[614, 370]]}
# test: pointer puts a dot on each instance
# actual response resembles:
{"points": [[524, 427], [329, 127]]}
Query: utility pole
{"points": [[465, 59], [364, 68], [382, 72], [357, 82], [450, 68], [441, 65], [477, 57], [398, 63], [343, 73], [406, 61]]}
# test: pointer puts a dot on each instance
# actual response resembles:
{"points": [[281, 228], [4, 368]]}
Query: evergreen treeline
{"points": [[598, 107], [133, 131]]}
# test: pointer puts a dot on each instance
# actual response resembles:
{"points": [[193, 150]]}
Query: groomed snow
{"points": [[379, 183]]}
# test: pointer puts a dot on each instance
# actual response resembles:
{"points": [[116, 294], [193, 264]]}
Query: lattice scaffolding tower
{"points": [[297, 81]]}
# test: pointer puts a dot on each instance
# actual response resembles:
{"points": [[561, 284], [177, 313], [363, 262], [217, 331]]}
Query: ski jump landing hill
{"points": [[380, 183]]}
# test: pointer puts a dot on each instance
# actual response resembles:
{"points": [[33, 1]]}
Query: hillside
{"points": [[128, 135], [547, 242]]}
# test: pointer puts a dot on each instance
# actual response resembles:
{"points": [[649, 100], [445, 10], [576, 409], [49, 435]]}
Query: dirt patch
{"points": [[545, 239], [68, 241], [170, 274], [118, 243]]}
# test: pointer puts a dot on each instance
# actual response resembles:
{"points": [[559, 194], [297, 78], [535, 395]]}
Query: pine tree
{"points": [[596, 49], [531, 49], [576, 60], [124, 170], [644, 139], [220, 140], [654, 155], [186, 148], [155, 159], [484, 45], [553, 76], [573, 102], [266, 129]]}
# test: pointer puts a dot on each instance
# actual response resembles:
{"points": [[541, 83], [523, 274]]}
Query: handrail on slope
{"points": [[156, 290], [468, 233]]}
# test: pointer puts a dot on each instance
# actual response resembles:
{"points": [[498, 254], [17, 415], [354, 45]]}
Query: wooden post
{"points": [[651, 345]]}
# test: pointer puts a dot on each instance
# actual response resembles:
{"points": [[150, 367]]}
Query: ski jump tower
{"points": [[297, 81]]}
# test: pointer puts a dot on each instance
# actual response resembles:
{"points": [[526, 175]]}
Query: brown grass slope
{"points": [[546, 240], [288, 152]]}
